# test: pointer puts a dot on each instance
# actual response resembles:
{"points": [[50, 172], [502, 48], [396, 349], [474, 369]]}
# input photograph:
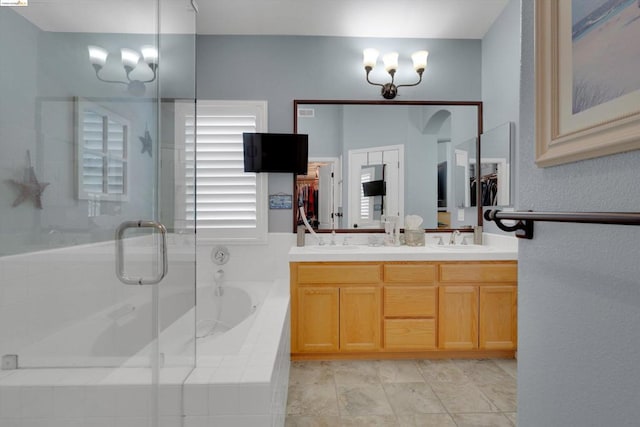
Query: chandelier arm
{"points": [[369, 81], [110, 81], [412, 84], [152, 78]]}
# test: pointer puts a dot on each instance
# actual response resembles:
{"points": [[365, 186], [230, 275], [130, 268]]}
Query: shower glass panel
{"points": [[177, 86], [87, 143]]}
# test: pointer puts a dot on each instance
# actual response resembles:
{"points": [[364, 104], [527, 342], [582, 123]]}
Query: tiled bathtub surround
{"points": [[246, 391]]}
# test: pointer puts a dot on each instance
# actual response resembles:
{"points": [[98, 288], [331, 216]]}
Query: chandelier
{"points": [[129, 59], [390, 90]]}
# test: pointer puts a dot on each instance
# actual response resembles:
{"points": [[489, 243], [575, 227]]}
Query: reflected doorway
{"points": [[319, 192]]}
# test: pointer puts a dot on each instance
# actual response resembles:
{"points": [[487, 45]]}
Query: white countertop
{"points": [[495, 247]]}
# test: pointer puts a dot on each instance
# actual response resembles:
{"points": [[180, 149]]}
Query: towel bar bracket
{"points": [[526, 226]]}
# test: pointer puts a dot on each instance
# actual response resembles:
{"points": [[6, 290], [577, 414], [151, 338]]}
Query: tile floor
{"points": [[403, 393]]}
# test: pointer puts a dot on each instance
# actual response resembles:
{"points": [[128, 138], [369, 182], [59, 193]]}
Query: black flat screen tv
{"points": [[374, 188], [276, 152]]}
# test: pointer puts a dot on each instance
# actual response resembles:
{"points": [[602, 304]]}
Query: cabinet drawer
{"points": [[409, 301], [409, 273], [486, 273], [347, 273], [409, 334]]}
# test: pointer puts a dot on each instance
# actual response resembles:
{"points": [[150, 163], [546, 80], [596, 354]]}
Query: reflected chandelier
{"points": [[390, 90], [130, 59]]}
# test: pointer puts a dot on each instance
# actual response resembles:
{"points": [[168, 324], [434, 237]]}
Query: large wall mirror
{"points": [[369, 160]]}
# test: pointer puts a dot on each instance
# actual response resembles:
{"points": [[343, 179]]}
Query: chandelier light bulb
{"points": [[370, 57], [420, 60], [390, 62], [97, 56], [130, 58], [149, 54]]}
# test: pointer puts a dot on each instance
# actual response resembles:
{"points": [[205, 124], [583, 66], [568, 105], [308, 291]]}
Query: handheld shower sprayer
{"points": [[306, 224], [218, 276]]}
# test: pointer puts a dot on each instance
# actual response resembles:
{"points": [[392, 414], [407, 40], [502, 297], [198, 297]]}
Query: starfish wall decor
{"points": [[146, 142], [29, 187]]}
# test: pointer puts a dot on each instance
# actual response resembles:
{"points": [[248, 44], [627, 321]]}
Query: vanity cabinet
{"points": [[403, 309], [337, 307], [498, 317], [318, 319], [478, 306], [458, 317], [359, 318], [409, 306]]}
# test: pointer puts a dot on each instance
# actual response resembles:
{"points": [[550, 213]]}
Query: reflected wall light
{"points": [[130, 59], [390, 90]]}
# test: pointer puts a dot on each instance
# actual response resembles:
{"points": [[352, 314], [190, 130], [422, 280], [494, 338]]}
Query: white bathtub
{"points": [[240, 378], [224, 319]]}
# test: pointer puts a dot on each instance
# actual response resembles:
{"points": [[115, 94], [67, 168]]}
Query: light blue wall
{"points": [[501, 68], [579, 288], [501, 81], [41, 73], [280, 69], [65, 73], [461, 133], [18, 89], [324, 130]]}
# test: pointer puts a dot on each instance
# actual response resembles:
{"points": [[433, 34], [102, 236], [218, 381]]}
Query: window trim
{"points": [[80, 106], [257, 235]]}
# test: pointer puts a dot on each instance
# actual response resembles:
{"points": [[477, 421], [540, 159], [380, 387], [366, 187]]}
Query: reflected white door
{"points": [[325, 197], [392, 157]]}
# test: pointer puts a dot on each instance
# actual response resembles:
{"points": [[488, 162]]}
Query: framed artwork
{"points": [[587, 79]]}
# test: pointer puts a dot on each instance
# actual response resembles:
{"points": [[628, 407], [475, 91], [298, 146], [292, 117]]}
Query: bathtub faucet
{"points": [[217, 279]]}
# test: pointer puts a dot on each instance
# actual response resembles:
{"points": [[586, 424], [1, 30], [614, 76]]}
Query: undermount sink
{"points": [[469, 248], [332, 248]]}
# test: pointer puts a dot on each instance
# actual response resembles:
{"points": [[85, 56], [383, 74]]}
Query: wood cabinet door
{"points": [[458, 317], [498, 317], [318, 321], [360, 318]]}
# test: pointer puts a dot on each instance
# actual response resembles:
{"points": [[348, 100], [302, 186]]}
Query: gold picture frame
{"points": [[566, 56]]}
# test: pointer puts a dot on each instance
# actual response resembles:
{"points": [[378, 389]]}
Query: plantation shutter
{"points": [[102, 151], [225, 202], [92, 157], [115, 153], [365, 202]]}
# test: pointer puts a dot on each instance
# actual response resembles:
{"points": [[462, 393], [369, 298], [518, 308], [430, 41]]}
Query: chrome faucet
{"points": [[454, 234]]}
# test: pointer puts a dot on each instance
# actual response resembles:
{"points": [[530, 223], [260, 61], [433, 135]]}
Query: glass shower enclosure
{"points": [[97, 259]]}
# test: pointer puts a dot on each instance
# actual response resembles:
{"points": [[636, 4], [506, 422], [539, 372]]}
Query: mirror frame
{"points": [[477, 104]]}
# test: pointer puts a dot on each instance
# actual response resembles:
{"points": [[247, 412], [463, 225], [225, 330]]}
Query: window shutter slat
{"points": [[226, 195]]}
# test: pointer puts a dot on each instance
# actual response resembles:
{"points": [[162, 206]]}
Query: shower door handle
{"points": [[120, 273]]}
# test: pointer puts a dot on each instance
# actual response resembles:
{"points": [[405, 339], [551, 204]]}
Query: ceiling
{"points": [[458, 19]]}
